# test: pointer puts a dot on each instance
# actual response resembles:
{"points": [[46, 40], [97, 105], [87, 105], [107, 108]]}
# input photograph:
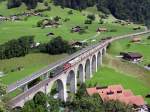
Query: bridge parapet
{"points": [[82, 55]]}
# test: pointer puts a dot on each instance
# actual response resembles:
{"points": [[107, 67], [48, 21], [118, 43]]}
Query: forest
{"points": [[132, 10]]}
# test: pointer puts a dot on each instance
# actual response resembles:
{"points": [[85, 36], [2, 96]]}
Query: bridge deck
{"points": [[33, 76], [43, 83]]}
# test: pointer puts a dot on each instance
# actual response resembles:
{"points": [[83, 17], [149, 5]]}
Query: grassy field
{"points": [[142, 47], [7, 12], [118, 71], [30, 63], [10, 30], [108, 76], [33, 62]]}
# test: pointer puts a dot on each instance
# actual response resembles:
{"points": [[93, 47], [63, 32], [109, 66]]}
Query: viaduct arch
{"points": [[86, 63], [67, 81]]}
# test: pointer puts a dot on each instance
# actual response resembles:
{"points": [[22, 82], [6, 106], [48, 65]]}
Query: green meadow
{"points": [[118, 71], [10, 30], [27, 26], [125, 45], [108, 76], [31, 63]]}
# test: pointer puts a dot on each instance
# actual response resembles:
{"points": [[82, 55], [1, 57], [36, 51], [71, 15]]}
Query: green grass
{"points": [[10, 30], [117, 71], [7, 12], [31, 63], [107, 76], [143, 48], [7, 97]]}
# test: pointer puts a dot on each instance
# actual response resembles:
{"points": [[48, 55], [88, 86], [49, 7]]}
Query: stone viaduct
{"points": [[83, 67]]}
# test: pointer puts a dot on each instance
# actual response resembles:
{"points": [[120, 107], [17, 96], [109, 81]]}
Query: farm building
{"points": [[131, 56], [76, 29], [147, 67], [136, 39], [76, 43], [117, 92], [15, 18], [48, 34], [101, 30], [50, 23]]}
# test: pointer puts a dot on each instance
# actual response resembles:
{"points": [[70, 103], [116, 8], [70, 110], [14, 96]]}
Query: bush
{"points": [[66, 19], [13, 3], [113, 30], [57, 18], [40, 23], [57, 46], [104, 10], [86, 27], [16, 48], [88, 21], [148, 37], [91, 17], [49, 8], [101, 21], [46, 3], [70, 12]]}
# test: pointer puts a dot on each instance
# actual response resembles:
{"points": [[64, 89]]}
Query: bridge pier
{"points": [[25, 88], [45, 76], [105, 48], [101, 58], [96, 64], [83, 77]]}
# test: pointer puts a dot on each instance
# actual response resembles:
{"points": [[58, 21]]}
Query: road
{"points": [[50, 67]]}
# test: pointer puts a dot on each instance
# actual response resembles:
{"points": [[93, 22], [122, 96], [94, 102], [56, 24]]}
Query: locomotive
{"points": [[69, 64], [63, 67]]}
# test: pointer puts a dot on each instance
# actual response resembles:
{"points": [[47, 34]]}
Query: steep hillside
{"points": [[132, 10]]}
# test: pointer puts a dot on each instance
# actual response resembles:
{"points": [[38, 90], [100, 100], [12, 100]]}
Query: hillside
{"points": [[131, 10], [27, 25], [73, 21]]}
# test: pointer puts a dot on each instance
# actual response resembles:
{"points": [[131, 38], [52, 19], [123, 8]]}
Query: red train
{"points": [[66, 66]]}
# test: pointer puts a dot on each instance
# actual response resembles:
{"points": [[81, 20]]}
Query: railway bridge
{"points": [[83, 64]]}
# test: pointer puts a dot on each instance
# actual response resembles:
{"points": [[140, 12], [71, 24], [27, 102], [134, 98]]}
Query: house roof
{"points": [[111, 93], [134, 55], [135, 39], [91, 91]]}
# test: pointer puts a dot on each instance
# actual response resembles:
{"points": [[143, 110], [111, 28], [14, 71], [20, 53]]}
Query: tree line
{"points": [[16, 47], [31, 4], [24, 45], [57, 46], [132, 10], [81, 102]]}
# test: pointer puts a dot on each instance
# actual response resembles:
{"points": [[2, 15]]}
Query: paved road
{"points": [[50, 67]]}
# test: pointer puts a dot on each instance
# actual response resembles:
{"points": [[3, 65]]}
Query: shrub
{"points": [[16, 48], [88, 21], [148, 37], [40, 23], [113, 30], [57, 18], [13, 3], [49, 8], [91, 17], [101, 21], [66, 19], [70, 12], [46, 3]]}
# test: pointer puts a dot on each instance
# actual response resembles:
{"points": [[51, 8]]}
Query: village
{"points": [[33, 39]]}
